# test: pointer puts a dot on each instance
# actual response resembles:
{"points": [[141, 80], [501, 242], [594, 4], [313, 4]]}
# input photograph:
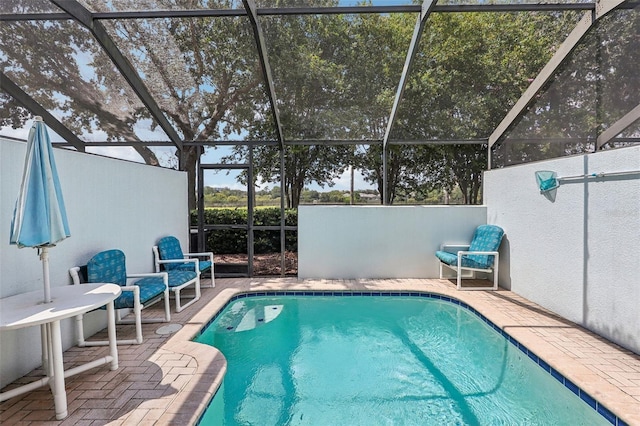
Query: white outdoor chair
{"points": [[168, 256], [480, 256], [109, 267]]}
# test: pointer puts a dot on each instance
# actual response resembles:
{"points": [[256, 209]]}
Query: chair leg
{"points": [[179, 306], [176, 294], [167, 306], [81, 342], [495, 271], [137, 310]]}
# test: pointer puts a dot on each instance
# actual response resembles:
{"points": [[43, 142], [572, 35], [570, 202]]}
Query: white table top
{"points": [[27, 309]]}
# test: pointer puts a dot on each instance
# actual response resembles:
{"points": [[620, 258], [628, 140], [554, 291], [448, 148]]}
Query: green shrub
{"points": [[231, 241]]}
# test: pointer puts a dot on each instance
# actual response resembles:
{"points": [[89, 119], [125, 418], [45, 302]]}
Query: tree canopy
{"points": [[335, 78]]}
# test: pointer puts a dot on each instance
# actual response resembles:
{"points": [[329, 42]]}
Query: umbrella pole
{"points": [[44, 257]]}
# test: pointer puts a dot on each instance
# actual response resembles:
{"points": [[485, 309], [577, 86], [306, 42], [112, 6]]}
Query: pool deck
{"points": [[168, 380]]}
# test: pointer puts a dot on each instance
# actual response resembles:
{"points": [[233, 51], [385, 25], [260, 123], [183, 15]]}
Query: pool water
{"points": [[377, 361]]}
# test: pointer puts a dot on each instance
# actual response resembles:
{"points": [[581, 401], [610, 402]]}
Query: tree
{"points": [[335, 78], [309, 82], [470, 70], [60, 66], [203, 73], [596, 86]]}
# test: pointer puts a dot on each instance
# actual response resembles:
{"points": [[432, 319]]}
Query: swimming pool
{"points": [[380, 360]]}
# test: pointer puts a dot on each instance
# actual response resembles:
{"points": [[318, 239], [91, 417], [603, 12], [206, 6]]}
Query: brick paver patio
{"points": [[168, 380]]}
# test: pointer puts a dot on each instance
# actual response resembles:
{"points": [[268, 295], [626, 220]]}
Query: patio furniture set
{"points": [[105, 285]]}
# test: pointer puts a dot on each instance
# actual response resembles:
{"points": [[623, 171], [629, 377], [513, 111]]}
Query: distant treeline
{"points": [[226, 197]]}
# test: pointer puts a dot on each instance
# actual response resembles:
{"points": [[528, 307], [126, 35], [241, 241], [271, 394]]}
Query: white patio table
{"points": [[28, 309]]}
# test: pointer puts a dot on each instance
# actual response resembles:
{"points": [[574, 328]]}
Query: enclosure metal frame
{"points": [[99, 32], [589, 19], [92, 21], [249, 227]]}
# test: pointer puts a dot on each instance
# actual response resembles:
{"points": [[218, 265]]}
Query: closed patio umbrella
{"points": [[39, 218]]}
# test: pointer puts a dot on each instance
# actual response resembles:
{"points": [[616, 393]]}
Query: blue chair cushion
{"points": [[486, 238], [177, 278], [169, 249], [150, 288], [107, 267], [452, 259], [204, 266]]}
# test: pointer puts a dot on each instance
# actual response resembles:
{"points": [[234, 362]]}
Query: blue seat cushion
{"points": [[467, 261], [485, 238], [177, 277], [204, 266], [169, 249], [150, 288], [107, 267]]}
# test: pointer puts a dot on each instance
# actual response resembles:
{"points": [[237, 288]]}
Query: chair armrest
{"points": [[444, 247], [196, 262], [205, 254], [178, 261], [75, 275], [490, 253], [461, 253], [209, 254]]}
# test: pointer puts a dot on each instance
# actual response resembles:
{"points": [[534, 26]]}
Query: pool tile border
{"points": [[583, 395]]}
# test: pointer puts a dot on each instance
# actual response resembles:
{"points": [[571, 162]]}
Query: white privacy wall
{"points": [[110, 204], [579, 255], [346, 242]]}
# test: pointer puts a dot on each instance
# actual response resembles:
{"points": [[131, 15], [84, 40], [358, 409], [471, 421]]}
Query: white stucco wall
{"points": [[110, 204], [578, 255], [346, 242]]}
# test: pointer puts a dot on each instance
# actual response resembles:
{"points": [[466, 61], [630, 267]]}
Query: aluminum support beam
{"points": [[35, 108], [618, 127], [84, 17], [200, 201], [283, 236], [425, 11], [562, 54], [328, 142], [251, 189], [250, 6], [427, 6], [283, 11]]}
